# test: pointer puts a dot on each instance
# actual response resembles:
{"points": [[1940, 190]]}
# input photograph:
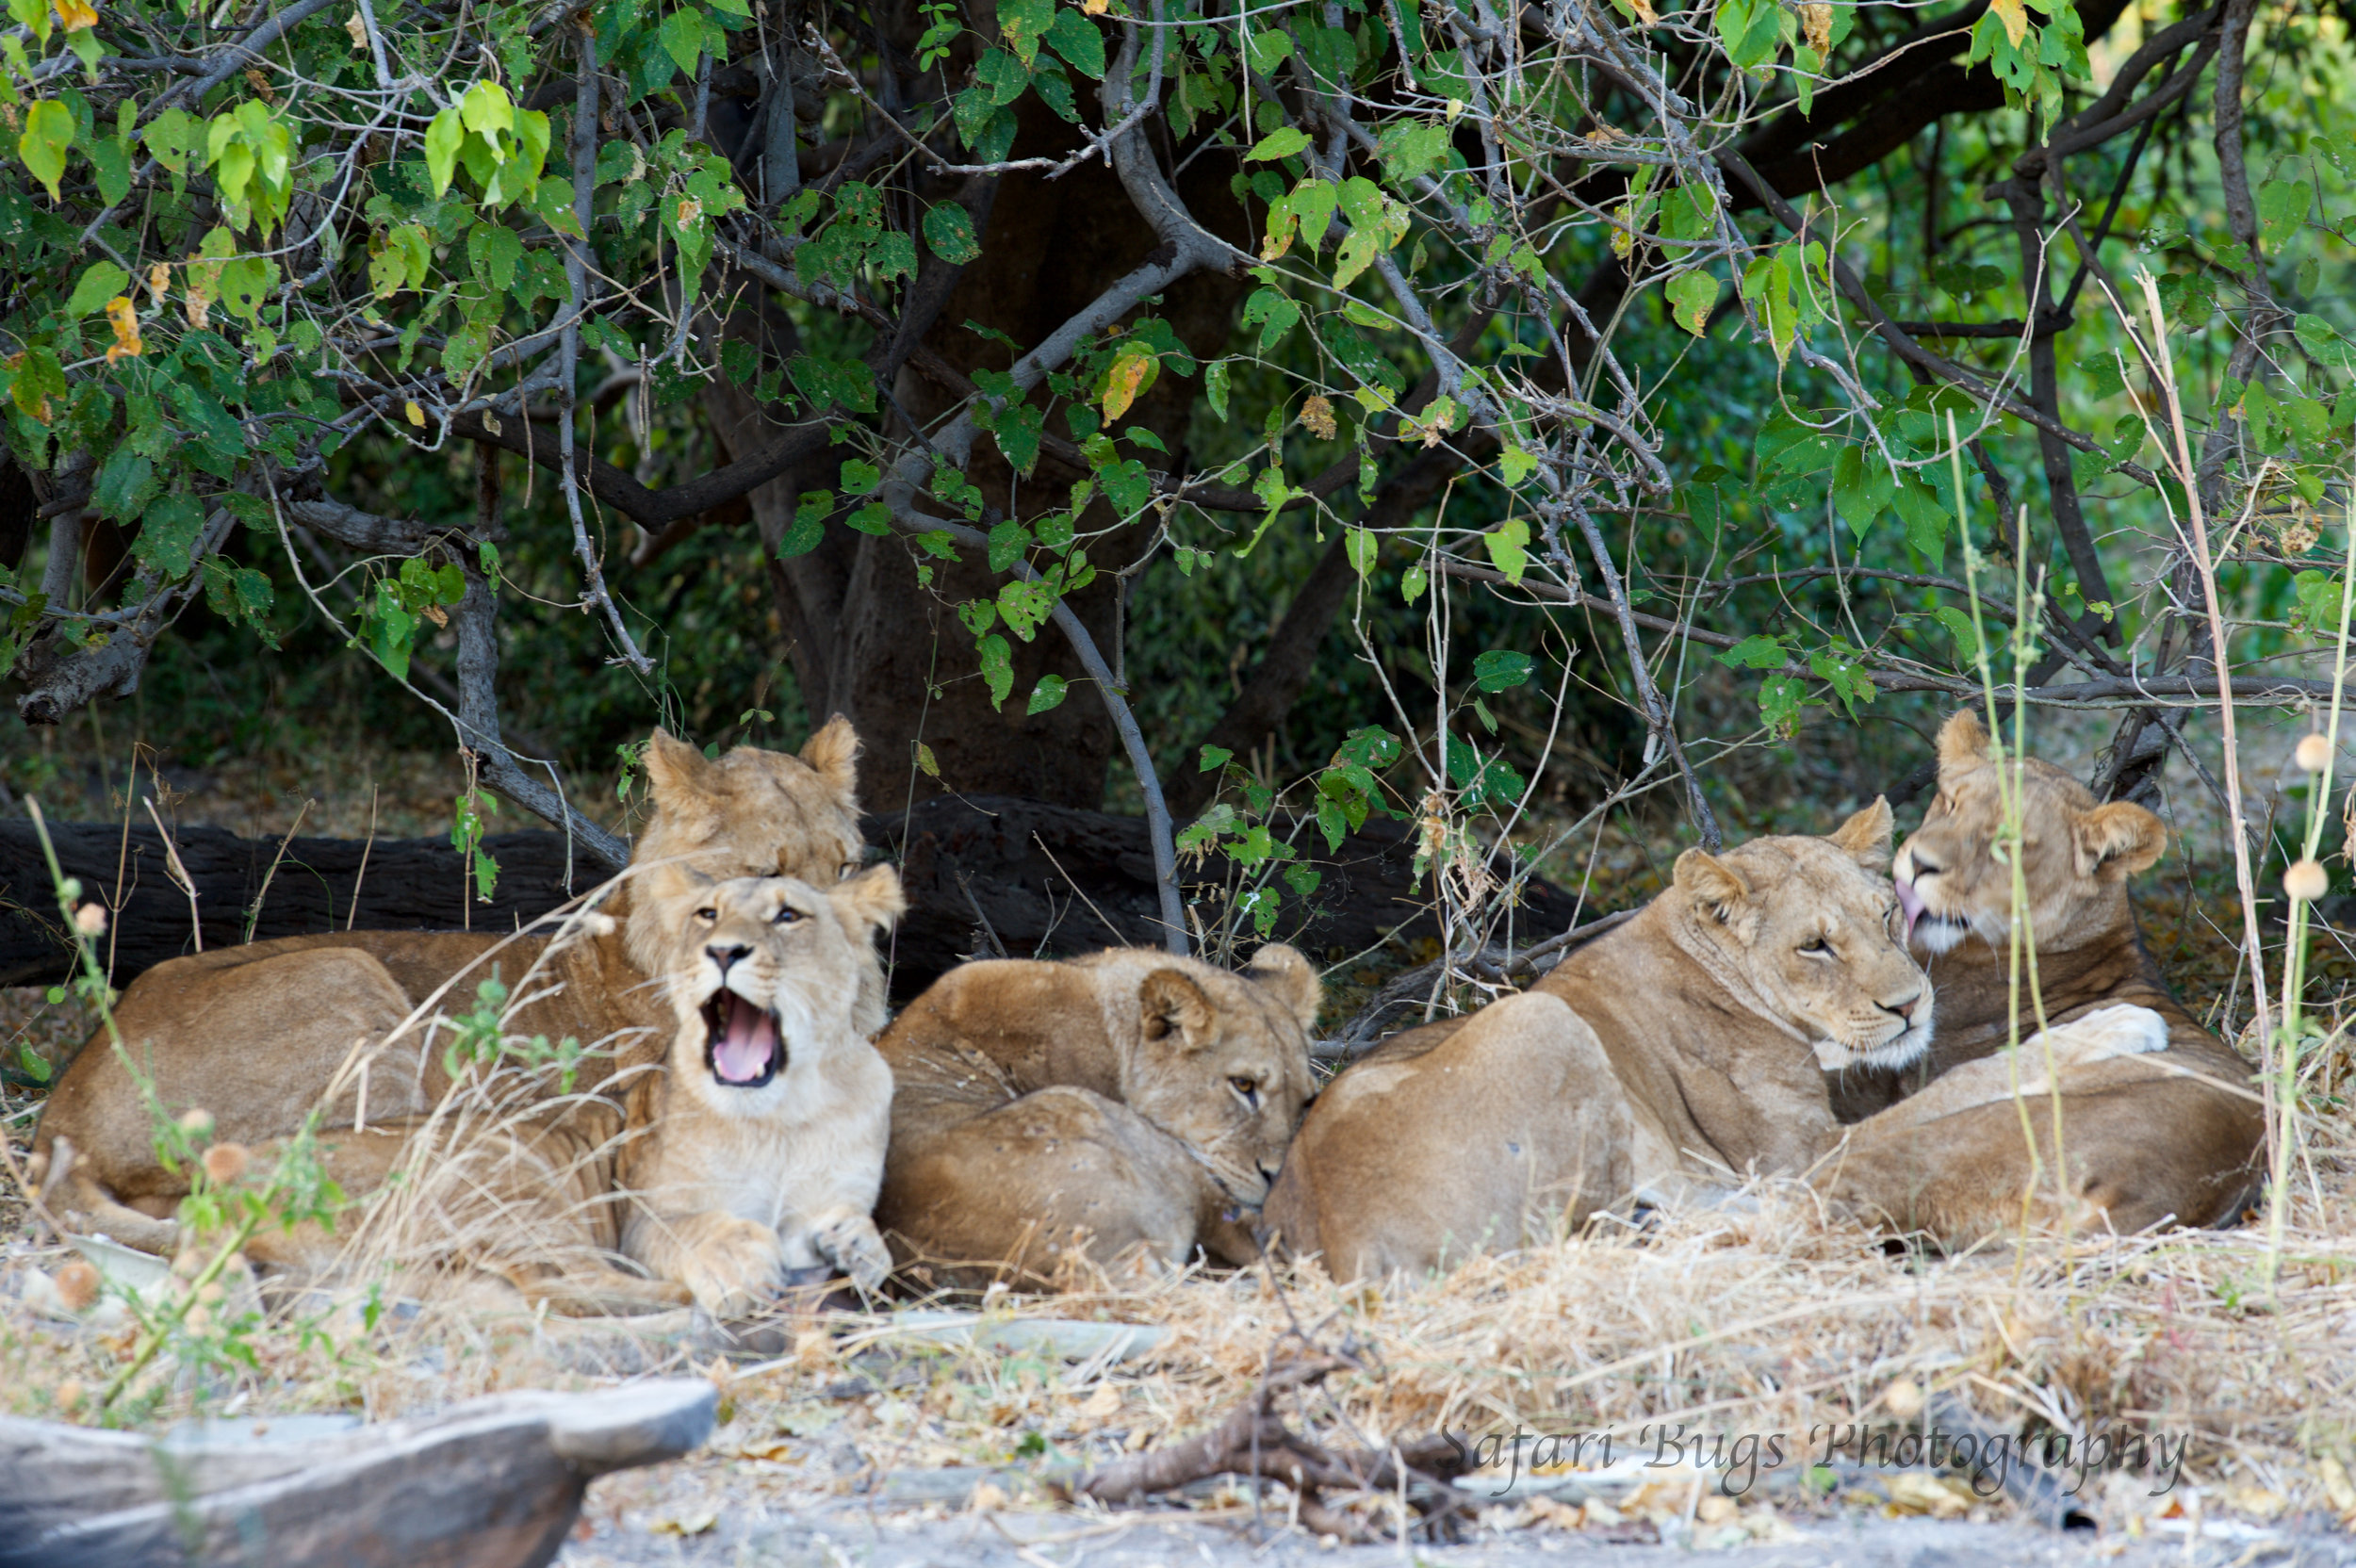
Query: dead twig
{"points": [[1254, 1440]]}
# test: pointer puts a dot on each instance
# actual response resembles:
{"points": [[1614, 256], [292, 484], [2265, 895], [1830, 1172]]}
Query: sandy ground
{"points": [[847, 1534]]}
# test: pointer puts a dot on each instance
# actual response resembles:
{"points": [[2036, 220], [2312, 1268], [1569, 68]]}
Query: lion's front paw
{"points": [[852, 1245], [732, 1266]]}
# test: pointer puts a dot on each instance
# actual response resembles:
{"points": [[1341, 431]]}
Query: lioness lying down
{"points": [[2173, 1132], [750, 1157], [1685, 1046], [1117, 1104], [259, 1035]]}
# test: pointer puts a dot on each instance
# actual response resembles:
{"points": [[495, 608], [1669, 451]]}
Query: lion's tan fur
{"points": [[1118, 1106], [1682, 1048], [718, 1192], [260, 1035], [2146, 1136]]}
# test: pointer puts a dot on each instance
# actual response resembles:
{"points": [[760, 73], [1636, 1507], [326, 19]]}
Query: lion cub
{"points": [[751, 1156], [769, 1121], [1116, 1107]]}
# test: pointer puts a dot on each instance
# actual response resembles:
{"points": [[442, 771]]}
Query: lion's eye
{"points": [[706, 914], [1248, 1087], [844, 874], [788, 915], [1816, 947]]}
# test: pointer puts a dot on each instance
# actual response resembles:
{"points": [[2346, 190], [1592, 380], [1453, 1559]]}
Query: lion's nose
{"points": [[724, 957], [1904, 1009]]}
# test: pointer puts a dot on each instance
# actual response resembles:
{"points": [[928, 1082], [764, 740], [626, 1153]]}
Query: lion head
{"points": [[748, 813], [1807, 931], [768, 974], [1221, 1060], [2075, 855]]}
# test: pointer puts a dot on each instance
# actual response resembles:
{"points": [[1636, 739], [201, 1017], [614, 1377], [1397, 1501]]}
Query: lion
{"points": [[2168, 1133], [1116, 1108], [260, 1035], [749, 1159], [1682, 1049]]}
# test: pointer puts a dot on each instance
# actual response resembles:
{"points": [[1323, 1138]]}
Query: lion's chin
{"points": [[743, 1045], [1901, 1050]]}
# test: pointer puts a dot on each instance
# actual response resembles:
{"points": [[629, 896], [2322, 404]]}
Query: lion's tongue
{"points": [[1911, 902], [741, 1053]]}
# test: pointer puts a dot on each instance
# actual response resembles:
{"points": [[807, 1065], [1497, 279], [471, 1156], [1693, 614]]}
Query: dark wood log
{"points": [[985, 875], [493, 1484], [407, 884]]}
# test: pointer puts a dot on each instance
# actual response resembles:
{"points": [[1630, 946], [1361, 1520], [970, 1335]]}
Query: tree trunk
{"points": [[867, 636]]}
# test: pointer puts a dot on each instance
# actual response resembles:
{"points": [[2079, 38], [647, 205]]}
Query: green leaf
{"points": [[168, 535], [1361, 546], [1503, 669], [1024, 23], [682, 38], [1509, 547], [1215, 387], [495, 250], [125, 483], [1280, 144], [1958, 626], [1075, 37], [803, 535], [860, 476], [1007, 542], [102, 282], [1049, 693], [48, 132], [997, 665], [1692, 297], [874, 517], [111, 164], [1758, 651], [1266, 51], [442, 140], [949, 234], [1214, 757]]}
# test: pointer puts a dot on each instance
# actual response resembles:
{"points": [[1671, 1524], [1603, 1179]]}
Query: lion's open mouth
{"points": [[743, 1045]]}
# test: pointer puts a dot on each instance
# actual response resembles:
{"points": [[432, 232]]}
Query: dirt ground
{"points": [[844, 1536]]}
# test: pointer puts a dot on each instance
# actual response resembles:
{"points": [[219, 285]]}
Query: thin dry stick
{"points": [[360, 880], [180, 877], [2164, 368], [253, 916]]}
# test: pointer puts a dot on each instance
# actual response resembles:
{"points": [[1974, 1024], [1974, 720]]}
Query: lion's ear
{"points": [[1169, 1002], [680, 778], [1712, 883], [1962, 745], [871, 901], [2118, 841], [832, 752], [1293, 979], [1865, 837]]}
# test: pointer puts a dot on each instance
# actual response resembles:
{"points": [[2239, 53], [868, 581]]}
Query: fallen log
{"points": [[493, 1484], [986, 876]]}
